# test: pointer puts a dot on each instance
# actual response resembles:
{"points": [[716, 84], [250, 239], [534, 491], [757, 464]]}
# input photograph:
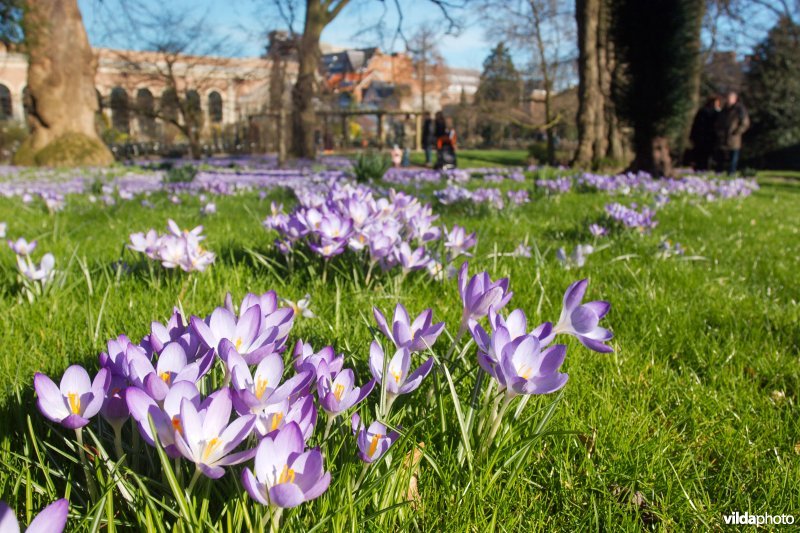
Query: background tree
{"points": [[544, 30], [600, 134], [499, 92], [428, 61], [773, 85], [658, 43], [61, 97], [316, 17]]}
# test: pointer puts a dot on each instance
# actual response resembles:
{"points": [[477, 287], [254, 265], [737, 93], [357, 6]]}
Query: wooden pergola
{"points": [[344, 114]]}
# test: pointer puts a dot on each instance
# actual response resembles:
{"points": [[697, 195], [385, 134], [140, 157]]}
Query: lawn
{"points": [[692, 417]]}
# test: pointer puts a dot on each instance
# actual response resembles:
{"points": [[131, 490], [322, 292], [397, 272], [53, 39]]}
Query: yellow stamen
{"points": [[176, 424], [261, 387], [396, 375], [211, 445], [525, 372], [276, 420], [165, 377], [338, 391], [373, 445], [287, 475], [74, 403], [238, 343]]}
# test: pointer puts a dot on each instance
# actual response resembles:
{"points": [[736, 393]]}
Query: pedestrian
{"points": [[428, 139], [703, 135], [397, 156], [446, 145], [731, 124]]}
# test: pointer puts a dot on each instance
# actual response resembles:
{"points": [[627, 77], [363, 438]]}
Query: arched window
{"points": [[120, 115], [169, 104], [6, 112], [194, 111], [145, 111], [215, 107]]}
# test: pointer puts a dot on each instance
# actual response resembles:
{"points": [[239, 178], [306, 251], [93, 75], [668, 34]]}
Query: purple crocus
{"points": [[208, 438], [525, 368], [401, 381], [246, 334], [285, 474], [372, 442], [458, 242], [22, 247], [167, 420], [581, 320], [302, 411], [304, 354], [76, 400], [416, 336], [255, 391], [51, 519], [340, 393], [479, 294]]}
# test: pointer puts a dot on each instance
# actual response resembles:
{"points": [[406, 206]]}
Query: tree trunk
{"points": [[695, 79], [652, 155], [601, 142], [304, 117], [589, 96], [616, 143], [62, 97]]}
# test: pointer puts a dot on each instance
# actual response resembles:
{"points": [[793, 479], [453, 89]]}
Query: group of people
{"points": [[438, 133], [717, 133]]}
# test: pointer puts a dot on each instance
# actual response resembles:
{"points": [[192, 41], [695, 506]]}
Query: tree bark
{"points": [[304, 117], [63, 100], [587, 14]]}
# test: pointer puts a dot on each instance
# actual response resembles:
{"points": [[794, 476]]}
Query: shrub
{"points": [[370, 166]]}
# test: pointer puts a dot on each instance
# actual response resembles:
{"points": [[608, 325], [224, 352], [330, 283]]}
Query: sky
{"points": [[361, 23], [247, 21]]}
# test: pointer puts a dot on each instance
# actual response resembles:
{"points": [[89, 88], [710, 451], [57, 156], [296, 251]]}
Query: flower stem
{"points": [[461, 330], [276, 519], [328, 426], [118, 439], [498, 419], [192, 483], [86, 469], [361, 477]]}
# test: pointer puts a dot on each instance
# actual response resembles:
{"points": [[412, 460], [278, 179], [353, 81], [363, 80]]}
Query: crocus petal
{"points": [[50, 402], [8, 519], [75, 380], [319, 487], [415, 378], [251, 485], [574, 294], [52, 519], [286, 495]]}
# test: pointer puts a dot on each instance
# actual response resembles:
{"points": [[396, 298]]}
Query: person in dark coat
{"points": [[703, 135], [731, 124], [428, 139]]}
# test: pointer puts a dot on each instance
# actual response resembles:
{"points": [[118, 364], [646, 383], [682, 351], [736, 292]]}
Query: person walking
{"points": [[703, 134], [428, 138], [731, 124]]}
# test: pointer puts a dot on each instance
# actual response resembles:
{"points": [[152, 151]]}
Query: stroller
{"points": [[446, 151]]}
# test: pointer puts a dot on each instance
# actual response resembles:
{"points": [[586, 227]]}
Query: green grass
{"points": [[482, 158], [692, 417]]}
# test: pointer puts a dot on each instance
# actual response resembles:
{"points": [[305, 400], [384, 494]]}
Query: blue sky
{"points": [[246, 21]]}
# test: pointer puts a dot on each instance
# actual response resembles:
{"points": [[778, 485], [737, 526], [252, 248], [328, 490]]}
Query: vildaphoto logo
{"points": [[744, 519]]}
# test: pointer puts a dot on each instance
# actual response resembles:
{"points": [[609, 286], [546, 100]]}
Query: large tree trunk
{"points": [[304, 117], [62, 100], [590, 99]]}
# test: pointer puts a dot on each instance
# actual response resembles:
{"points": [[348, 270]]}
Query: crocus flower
{"points": [[172, 367], [340, 393], [167, 420], [479, 294], [254, 392], [302, 411], [581, 320], [301, 307], [304, 355], [22, 247], [51, 519], [207, 438], [597, 230], [416, 336], [246, 334], [524, 368], [400, 382], [374, 441], [285, 474], [458, 242], [43, 273], [76, 400]]}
